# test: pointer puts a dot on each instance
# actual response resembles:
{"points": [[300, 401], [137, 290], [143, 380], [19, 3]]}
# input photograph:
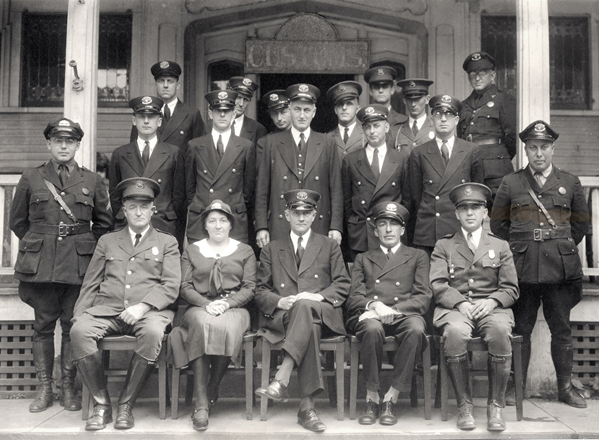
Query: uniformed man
{"points": [[381, 82], [348, 134], [180, 122], [435, 167], [488, 118], [474, 284], [244, 126], [129, 289], [542, 211], [149, 157], [51, 213], [277, 103], [389, 295], [299, 158], [418, 129], [220, 166], [302, 284], [370, 175]]}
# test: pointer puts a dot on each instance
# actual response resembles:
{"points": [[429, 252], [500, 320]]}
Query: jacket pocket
{"points": [[84, 205], [240, 208], [38, 202], [85, 251], [570, 259], [29, 256], [519, 249], [520, 209]]}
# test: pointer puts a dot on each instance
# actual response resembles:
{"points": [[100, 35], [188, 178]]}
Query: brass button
{"points": [[280, 215], [205, 171], [282, 196], [396, 299], [437, 197], [282, 285], [62, 193], [211, 191], [438, 215], [367, 219], [363, 202], [59, 238], [392, 183], [284, 177], [129, 272], [320, 216], [375, 297], [159, 180], [230, 190], [315, 275], [317, 178], [127, 286], [397, 283], [377, 281]]}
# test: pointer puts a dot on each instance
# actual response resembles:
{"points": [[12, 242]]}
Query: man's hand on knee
{"points": [[286, 302], [465, 308], [134, 313], [483, 307], [385, 313]]}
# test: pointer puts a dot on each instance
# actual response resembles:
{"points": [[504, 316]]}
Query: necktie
{"points": [[137, 238], [375, 164], [389, 253], [215, 279], [415, 129], [346, 136], [471, 244], [62, 174], [539, 178], [300, 251], [145, 156], [233, 127], [302, 143], [444, 151], [220, 148], [167, 113]]}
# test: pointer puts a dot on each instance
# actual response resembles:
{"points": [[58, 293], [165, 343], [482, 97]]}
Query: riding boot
{"points": [[510, 395], [459, 373], [498, 369], [43, 358], [137, 375], [563, 357], [92, 374], [69, 396]]}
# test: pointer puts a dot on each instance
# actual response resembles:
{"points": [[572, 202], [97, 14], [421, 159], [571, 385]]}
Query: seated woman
{"points": [[218, 280]]}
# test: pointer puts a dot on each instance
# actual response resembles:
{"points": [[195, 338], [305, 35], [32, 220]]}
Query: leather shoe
{"points": [[101, 416], [571, 397], [200, 419], [124, 417], [310, 420], [369, 414], [495, 420], [275, 391], [388, 413], [465, 420]]}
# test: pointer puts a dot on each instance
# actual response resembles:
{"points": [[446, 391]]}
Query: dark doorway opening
{"points": [[325, 119]]}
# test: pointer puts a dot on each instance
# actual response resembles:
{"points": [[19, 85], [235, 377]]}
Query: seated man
{"points": [[302, 284], [131, 282], [474, 284], [389, 295]]}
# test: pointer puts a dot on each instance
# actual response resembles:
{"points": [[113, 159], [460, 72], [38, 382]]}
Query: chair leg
{"points": [[329, 365], [249, 379], [414, 391], [517, 353], [443, 368], [266, 348], [340, 377], [176, 376], [353, 378], [426, 379], [189, 388], [162, 383]]}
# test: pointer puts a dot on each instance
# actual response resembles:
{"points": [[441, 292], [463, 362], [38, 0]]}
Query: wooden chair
{"points": [[478, 344], [126, 343], [391, 346], [334, 366], [248, 370]]}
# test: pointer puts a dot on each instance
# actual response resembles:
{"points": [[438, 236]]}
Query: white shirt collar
{"points": [[305, 239], [141, 144], [172, 106], [238, 124], [225, 136], [393, 249], [450, 143], [475, 235], [350, 128], [545, 173], [143, 234], [419, 121], [296, 134], [207, 251], [382, 153]]}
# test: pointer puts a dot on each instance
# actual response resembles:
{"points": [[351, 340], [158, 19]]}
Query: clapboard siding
{"points": [[22, 143], [577, 149]]}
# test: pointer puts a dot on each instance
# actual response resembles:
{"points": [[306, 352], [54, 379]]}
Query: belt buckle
{"points": [[537, 235], [63, 230]]}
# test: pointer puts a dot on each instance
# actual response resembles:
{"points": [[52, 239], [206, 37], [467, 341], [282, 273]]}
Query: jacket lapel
{"points": [[148, 241], [427, 128], [287, 258], [462, 246], [75, 178], [433, 156], [158, 157], [247, 129], [124, 240], [363, 167], [356, 138], [483, 247], [174, 122], [49, 174], [457, 157], [312, 250], [396, 260], [314, 148], [377, 257], [231, 152], [552, 180], [132, 157], [287, 151], [207, 151], [389, 167]]}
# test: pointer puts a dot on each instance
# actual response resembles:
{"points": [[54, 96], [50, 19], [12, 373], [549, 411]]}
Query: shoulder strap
{"points": [[538, 203], [61, 202]]}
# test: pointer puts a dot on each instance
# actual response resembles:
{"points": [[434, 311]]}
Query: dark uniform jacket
{"points": [[361, 192], [322, 270], [120, 275], [491, 120], [251, 129], [430, 182], [46, 257], [184, 125], [400, 282], [279, 174], [554, 259], [231, 180], [458, 275], [355, 142], [165, 167], [405, 139]]}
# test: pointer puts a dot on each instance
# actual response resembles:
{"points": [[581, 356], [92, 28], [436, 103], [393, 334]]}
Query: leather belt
{"points": [[61, 230], [541, 234], [484, 140]]}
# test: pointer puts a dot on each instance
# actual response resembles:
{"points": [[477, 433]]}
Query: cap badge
{"points": [[216, 206], [303, 88], [540, 127], [164, 64], [369, 110], [146, 100], [446, 98], [64, 123], [391, 207], [247, 82], [302, 195], [139, 184], [475, 57], [342, 89], [274, 97], [467, 191], [380, 71], [491, 254], [562, 190], [412, 84], [223, 95], [490, 104]]}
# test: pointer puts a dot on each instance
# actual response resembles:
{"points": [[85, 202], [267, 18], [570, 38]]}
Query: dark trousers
{"points": [[558, 300], [50, 302], [303, 329], [410, 335]]}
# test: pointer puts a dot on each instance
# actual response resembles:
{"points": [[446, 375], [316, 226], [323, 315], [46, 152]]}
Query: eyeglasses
{"points": [[470, 206], [60, 140], [439, 114], [479, 73]]}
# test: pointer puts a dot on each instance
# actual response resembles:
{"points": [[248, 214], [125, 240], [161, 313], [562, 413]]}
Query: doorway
{"points": [[325, 119]]}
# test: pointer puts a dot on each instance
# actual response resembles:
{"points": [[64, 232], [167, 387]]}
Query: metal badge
{"points": [[155, 250], [490, 104], [146, 100], [491, 254], [85, 191], [562, 190]]}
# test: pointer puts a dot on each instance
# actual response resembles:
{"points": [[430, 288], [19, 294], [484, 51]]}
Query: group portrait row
{"points": [[389, 225]]}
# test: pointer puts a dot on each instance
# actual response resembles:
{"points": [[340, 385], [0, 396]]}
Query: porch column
{"points": [[82, 46], [533, 103]]}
